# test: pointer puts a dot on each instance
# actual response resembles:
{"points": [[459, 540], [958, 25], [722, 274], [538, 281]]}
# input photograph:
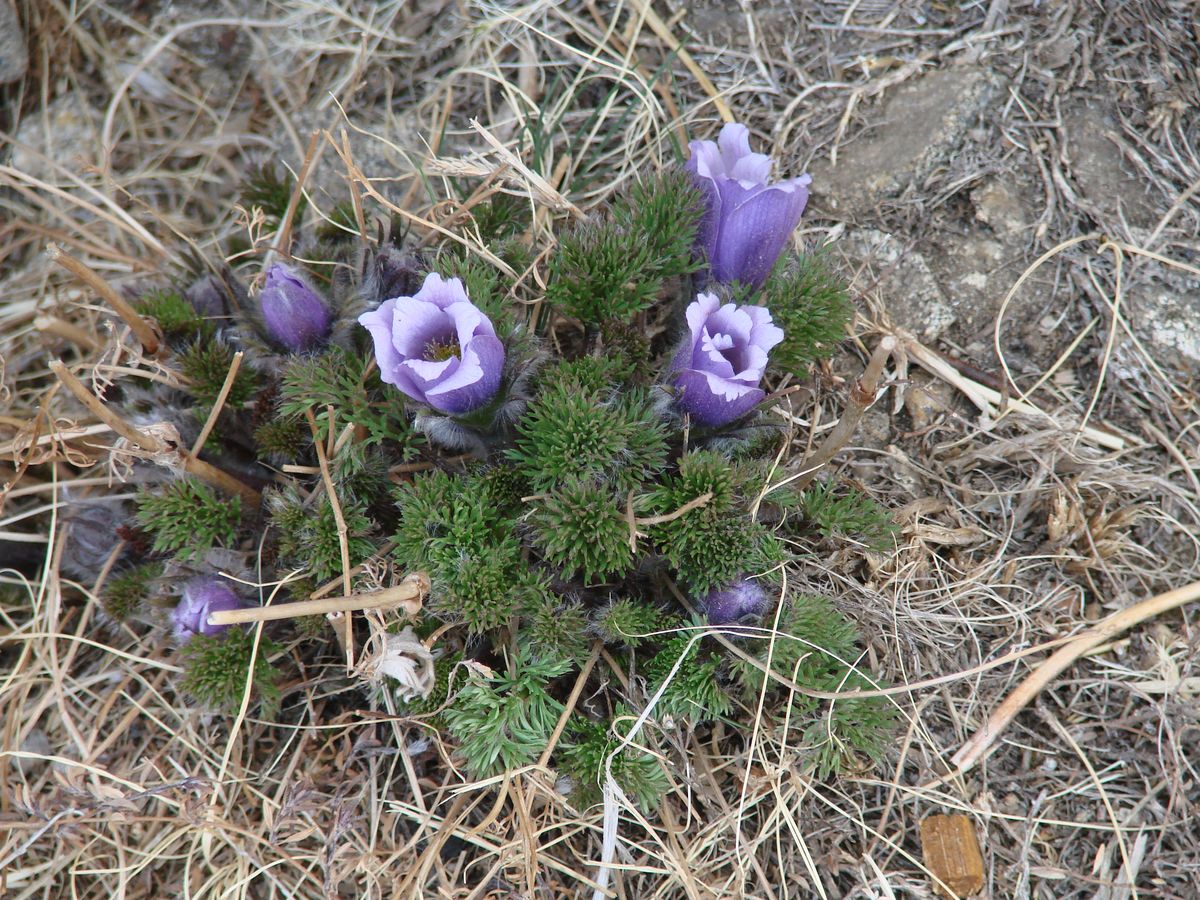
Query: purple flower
{"points": [[295, 315], [747, 222], [437, 347], [201, 598], [744, 599], [719, 366]]}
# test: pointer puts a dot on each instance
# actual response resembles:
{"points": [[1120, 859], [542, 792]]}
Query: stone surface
{"points": [[66, 132], [1165, 312], [1104, 180], [14, 58], [920, 124], [910, 293]]}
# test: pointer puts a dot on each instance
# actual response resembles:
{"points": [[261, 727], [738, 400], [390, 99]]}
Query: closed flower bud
{"points": [[747, 222], [295, 315], [208, 297], [718, 369], [201, 598], [743, 601], [437, 347]]}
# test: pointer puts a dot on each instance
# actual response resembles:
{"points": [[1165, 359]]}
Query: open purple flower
{"points": [[295, 315], [741, 601], [201, 598], [747, 222], [719, 366], [437, 347]]}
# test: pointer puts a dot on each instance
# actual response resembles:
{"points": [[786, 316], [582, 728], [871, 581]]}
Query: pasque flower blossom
{"points": [[295, 315], [201, 598], [747, 222], [740, 601], [437, 347], [718, 368]]}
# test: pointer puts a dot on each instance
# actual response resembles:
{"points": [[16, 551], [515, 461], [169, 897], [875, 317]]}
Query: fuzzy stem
{"points": [[141, 328], [862, 395], [150, 444], [407, 594]]}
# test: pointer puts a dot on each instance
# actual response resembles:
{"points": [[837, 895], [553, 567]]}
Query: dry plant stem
{"points": [[192, 465], [141, 329], [211, 421], [862, 395], [544, 759], [285, 228], [408, 595], [342, 530], [984, 740], [67, 331]]}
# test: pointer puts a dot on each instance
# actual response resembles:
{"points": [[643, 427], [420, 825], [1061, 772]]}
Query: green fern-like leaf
{"points": [[125, 592], [812, 306], [556, 629], [176, 317], [188, 517], [216, 668], [628, 622], [694, 692], [582, 754], [847, 513], [504, 722]]}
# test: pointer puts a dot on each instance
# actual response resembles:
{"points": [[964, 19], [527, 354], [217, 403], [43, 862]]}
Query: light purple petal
{"points": [[734, 141], [714, 401], [753, 234], [379, 323], [416, 324], [476, 380], [294, 314], [442, 291]]}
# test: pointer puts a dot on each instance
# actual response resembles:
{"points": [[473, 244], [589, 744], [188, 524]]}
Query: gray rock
{"points": [[67, 132], [1107, 184], [911, 295], [14, 58], [1165, 312], [921, 123]]}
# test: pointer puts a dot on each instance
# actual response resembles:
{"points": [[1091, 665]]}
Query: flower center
{"points": [[443, 349]]}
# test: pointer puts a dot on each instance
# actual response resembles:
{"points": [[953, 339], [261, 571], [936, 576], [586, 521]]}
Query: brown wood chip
{"points": [[951, 851]]}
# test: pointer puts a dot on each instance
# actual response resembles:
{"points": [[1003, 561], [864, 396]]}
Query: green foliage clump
{"points": [[360, 472], [625, 621], [282, 437], [616, 268], [557, 629], [582, 753], [581, 529], [817, 648], [569, 433], [338, 379], [270, 189], [206, 364], [216, 667], [175, 316], [310, 538], [849, 514], [501, 217], [812, 306], [187, 518], [451, 528], [504, 722], [694, 692], [125, 592]]}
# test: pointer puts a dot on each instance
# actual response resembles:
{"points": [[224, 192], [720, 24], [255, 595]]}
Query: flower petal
{"points": [[754, 232], [379, 323], [475, 381], [713, 401]]}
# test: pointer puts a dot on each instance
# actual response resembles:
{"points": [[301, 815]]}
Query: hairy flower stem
{"points": [[149, 444], [862, 395]]}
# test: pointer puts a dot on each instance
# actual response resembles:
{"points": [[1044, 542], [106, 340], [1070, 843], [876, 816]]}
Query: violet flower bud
{"points": [[201, 598], [743, 600], [295, 315], [207, 297], [437, 347], [719, 366], [747, 222]]}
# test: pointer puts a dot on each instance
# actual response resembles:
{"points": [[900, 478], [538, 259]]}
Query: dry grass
{"points": [[1016, 532]]}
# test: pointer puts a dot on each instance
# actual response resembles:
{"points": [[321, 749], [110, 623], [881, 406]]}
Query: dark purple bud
{"points": [[295, 315], [201, 598], [747, 222], [437, 347], [721, 362], [744, 600], [208, 297], [387, 273]]}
